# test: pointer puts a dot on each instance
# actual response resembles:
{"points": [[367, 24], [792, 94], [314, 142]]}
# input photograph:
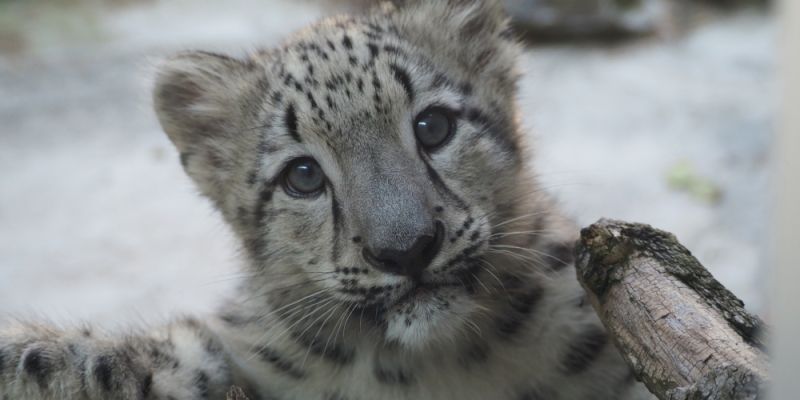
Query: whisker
{"points": [[316, 305], [314, 340], [508, 221], [534, 251]]}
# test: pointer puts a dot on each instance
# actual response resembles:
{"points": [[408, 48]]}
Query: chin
{"points": [[427, 317]]}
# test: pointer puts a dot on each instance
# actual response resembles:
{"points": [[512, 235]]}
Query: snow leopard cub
{"points": [[398, 246]]}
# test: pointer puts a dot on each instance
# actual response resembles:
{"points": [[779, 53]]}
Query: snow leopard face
{"points": [[370, 165]]}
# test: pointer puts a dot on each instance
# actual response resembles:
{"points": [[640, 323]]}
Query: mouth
{"points": [[426, 292], [428, 311], [418, 292]]}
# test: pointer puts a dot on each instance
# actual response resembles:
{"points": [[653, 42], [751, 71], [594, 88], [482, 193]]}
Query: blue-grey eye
{"points": [[303, 177], [433, 127]]}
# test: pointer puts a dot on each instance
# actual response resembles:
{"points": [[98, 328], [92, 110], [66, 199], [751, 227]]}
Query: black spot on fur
{"points": [[373, 27], [525, 302], [201, 380], [584, 350], [213, 347], [466, 88], [509, 325], [264, 197], [476, 353], [278, 361], [185, 159], [476, 116], [474, 27], [522, 305], [376, 83], [495, 128], [439, 81], [331, 352], [483, 59], [404, 80], [336, 214], [252, 177], [103, 371], [347, 42], [560, 255], [393, 377], [277, 97], [161, 358], [373, 50], [311, 100], [233, 319], [442, 188], [36, 364], [147, 386], [290, 120]]}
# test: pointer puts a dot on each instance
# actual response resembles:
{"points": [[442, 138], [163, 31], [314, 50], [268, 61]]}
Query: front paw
{"points": [[51, 366]]}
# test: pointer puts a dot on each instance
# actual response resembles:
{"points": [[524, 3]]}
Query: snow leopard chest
{"points": [[557, 351]]}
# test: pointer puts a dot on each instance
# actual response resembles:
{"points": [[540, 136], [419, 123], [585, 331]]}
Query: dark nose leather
{"points": [[410, 260]]}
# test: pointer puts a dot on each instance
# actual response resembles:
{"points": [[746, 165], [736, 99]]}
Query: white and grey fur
{"points": [[504, 318]]}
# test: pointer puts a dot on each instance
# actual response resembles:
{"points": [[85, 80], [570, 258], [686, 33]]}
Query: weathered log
{"points": [[683, 333]]}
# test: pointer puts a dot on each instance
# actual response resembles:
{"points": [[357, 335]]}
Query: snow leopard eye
{"points": [[433, 127], [303, 177]]}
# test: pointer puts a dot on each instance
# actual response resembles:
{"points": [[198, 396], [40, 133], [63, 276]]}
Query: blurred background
{"points": [[657, 111]]}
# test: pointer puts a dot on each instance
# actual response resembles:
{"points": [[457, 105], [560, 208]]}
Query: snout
{"points": [[410, 258]]}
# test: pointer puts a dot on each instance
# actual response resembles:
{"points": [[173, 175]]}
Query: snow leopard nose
{"points": [[410, 261]]}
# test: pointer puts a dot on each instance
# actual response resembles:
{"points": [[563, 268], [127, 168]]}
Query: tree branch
{"points": [[236, 393], [684, 334]]}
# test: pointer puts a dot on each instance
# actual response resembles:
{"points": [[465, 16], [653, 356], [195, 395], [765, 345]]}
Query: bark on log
{"points": [[684, 334], [236, 393]]}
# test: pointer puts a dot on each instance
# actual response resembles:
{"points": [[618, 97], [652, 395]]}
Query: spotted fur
{"points": [[501, 315]]}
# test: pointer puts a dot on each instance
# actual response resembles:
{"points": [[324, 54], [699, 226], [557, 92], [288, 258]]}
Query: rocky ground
{"points": [[97, 220]]}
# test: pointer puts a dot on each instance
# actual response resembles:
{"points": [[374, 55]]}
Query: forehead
{"points": [[346, 80]]}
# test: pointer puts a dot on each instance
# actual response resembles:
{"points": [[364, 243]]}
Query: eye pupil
{"points": [[304, 177], [433, 127]]}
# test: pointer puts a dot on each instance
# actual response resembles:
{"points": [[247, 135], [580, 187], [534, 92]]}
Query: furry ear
{"points": [[467, 19], [205, 103], [480, 28], [200, 96]]}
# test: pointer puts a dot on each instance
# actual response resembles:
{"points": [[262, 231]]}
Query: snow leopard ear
{"points": [[476, 33], [201, 97], [206, 103], [468, 19]]}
